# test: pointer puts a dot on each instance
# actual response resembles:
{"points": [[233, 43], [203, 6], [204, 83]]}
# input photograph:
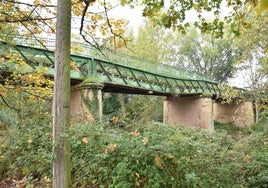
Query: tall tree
{"points": [[254, 43], [253, 63], [61, 99], [212, 57], [146, 43]]}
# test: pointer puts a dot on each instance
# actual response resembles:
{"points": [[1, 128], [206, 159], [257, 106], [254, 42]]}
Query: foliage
{"points": [[174, 14], [111, 104], [231, 95], [212, 57], [262, 124], [38, 17], [255, 159], [253, 60], [155, 155], [152, 156], [28, 152], [144, 109], [147, 44]]}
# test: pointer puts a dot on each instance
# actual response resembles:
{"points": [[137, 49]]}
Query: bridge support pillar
{"points": [[238, 114], [86, 102], [189, 111]]}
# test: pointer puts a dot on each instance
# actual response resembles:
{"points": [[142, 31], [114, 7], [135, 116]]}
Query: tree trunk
{"points": [[61, 100]]}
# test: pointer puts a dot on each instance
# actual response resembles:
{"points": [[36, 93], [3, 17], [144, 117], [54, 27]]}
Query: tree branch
{"points": [[30, 5], [8, 105], [110, 26]]}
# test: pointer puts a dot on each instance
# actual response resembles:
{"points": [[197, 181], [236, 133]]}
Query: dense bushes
{"points": [[27, 151], [154, 155]]}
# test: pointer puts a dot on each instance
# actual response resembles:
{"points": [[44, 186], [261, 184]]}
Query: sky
{"points": [[133, 15]]}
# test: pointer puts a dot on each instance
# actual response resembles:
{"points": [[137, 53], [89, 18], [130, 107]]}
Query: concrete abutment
{"points": [[86, 102], [241, 114]]}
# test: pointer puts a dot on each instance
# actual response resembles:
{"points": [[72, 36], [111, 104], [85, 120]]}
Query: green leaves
{"points": [[151, 155], [178, 14]]}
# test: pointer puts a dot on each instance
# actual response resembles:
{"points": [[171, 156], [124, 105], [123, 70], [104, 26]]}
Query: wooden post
{"points": [[61, 98]]}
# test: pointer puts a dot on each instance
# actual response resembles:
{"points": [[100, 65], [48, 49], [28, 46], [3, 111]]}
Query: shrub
{"points": [[155, 155], [254, 149], [152, 155], [27, 152]]}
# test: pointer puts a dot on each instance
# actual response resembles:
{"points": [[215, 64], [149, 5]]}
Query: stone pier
{"points": [[238, 114], [86, 102], [193, 111]]}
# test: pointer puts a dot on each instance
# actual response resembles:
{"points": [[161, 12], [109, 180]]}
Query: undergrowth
{"points": [[152, 155]]}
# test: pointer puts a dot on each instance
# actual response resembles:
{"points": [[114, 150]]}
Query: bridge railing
{"points": [[107, 55], [133, 71], [135, 62]]}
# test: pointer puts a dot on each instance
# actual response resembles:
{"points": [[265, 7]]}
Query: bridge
{"points": [[94, 71]]}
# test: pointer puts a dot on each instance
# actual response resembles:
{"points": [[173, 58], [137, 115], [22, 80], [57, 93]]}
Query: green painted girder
{"points": [[151, 82], [120, 77], [85, 50]]}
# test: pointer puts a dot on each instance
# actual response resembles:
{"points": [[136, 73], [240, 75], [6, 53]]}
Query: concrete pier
{"points": [[189, 111], [86, 102]]}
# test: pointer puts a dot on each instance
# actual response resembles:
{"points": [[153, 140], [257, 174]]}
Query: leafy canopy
{"points": [[174, 13]]}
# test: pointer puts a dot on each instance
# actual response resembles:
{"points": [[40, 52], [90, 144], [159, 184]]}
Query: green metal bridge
{"points": [[118, 72]]}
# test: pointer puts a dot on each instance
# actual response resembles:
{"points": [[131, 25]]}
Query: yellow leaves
{"points": [[36, 2], [258, 6], [74, 66], [14, 63], [120, 44], [229, 94], [30, 141], [115, 120], [2, 60], [47, 179], [77, 8], [110, 148], [157, 161], [85, 140], [197, 7], [3, 90], [262, 7], [134, 133], [246, 158], [33, 83], [145, 140], [18, 88], [103, 31], [32, 98], [170, 156], [96, 17], [76, 49]]}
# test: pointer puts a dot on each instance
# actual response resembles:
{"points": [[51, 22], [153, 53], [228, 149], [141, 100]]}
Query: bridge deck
{"points": [[119, 72]]}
